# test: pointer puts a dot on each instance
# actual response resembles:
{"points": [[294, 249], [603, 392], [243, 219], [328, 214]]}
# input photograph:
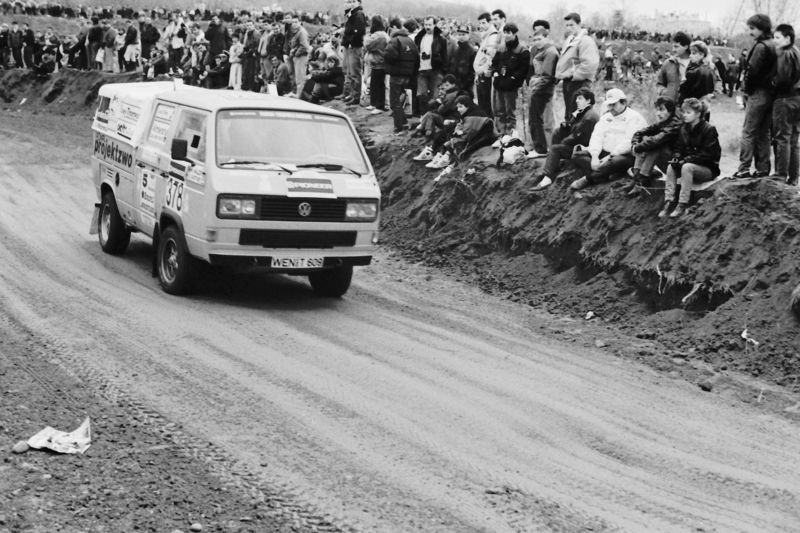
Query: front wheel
{"points": [[114, 236], [332, 282], [176, 267]]}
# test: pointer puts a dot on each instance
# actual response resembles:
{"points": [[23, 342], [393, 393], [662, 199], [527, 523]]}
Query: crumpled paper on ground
{"points": [[77, 441]]}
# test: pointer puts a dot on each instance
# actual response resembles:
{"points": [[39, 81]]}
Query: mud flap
{"points": [[156, 238], [95, 219]]}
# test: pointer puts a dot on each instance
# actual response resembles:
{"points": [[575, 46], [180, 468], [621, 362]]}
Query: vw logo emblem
{"points": [[304, 209]]}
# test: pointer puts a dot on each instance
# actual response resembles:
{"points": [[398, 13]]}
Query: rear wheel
{"points": [[114, 236], [176, 267], [332, 282]]}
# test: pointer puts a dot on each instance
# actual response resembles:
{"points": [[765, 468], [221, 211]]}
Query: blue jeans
{"points": [[397, 91], [786, 119], [505, 110], [428, 82], [353, 65], [755, 142]]}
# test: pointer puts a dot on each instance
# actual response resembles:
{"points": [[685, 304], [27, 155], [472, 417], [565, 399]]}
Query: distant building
{"points": [[691, 23]]}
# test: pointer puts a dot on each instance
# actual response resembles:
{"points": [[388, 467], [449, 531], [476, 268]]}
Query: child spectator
{"points": [[786, 109], [575, 132], [235, 60], [653, 144], [695, 158]]}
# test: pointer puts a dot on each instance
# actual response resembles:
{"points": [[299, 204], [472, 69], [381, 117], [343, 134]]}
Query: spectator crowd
{"points": [[464, 81]]}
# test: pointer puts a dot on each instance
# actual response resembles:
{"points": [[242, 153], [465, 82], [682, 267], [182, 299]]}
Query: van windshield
{"points": [[287, 138]]}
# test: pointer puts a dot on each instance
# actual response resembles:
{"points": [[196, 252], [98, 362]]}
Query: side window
{"points": [[192, 128], [159, 129]]}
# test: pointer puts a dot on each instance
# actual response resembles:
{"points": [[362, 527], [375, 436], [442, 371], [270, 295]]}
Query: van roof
{"points": [[209, 99]]}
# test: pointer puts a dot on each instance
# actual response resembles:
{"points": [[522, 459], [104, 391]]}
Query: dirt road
{"points": [[413, 404]]}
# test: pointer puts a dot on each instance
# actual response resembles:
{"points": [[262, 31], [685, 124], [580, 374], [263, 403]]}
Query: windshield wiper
{"points": [[247, 162], [330, 167]]}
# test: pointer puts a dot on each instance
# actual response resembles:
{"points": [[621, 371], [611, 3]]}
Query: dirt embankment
{"points": [[692, 285]]}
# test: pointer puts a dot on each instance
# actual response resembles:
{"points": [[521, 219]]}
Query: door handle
{"points": [[140, 165], [164, 175]]}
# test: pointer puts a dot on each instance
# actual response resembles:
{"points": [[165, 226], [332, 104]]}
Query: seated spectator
{"points": [[695, 157], [219, 73], [474, 130], [575, 132], [653, 144], [443, 114], [328, 81], [46, 66], [280, 76], [609, 152]]}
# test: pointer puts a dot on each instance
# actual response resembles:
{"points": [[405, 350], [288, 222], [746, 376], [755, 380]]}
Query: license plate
{"points": [[297, 262]]}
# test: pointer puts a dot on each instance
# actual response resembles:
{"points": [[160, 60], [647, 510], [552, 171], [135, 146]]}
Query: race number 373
{"points": [[174, 196]]}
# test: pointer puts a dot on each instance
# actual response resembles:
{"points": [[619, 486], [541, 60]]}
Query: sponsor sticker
{"points": [[309, 185], [147, 191], [158, 132], [112, 151]]}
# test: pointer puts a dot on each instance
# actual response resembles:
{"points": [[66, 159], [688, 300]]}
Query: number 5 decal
{"points": [[174, 196]]}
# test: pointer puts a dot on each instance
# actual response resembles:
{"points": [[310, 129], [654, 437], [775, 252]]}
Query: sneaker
{"points": [[435, 161], [446, 172], [633, 190], [631, 173], [679, 210], [370, 107], [533, 154], [443, 161], [425, 155], [545, 183], [401, 130], [579, 184], [497, 144], [665, 210], [760, 174], [741, 174], [376, 112]]}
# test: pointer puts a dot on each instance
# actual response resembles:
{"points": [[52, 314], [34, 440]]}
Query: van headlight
{"points": [[229, 206], [362, 210]]}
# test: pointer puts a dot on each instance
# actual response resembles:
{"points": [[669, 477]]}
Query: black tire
{"points": [[332, 282], [113, 234], [176, 267]]}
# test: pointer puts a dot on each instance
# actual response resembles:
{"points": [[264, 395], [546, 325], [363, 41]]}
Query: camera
{"points": [[425, 55]]}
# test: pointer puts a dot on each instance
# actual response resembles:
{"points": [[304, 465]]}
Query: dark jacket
{"points": [[461, 65], [439, 59], [659, 135], [447, 104], [543, 65], [698, 83], [218, 39], [354, 28], [669, 79], [578, 129], [760, 66], [275, 45], [402, 55], [787, 75], [150, 35], [330, 76], [131, 35], [511, 68], [699, 145]]}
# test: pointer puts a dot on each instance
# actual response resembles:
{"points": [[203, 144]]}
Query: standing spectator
{"points": [[543, 83], [299, 48], [274, 46], [610, 147], [432, 62], [94, 41], [699, 81], [786, 110], [577, 131], [722, 71], [288, 32], [15, 43], [673, 71], [218, 39], [452, 43], [249, 57], [29, 48], [758, 78], [131, 44], [510, 71], [462, 60], [375, 43], [695, 158], [5, 45], [149, 36], [264, 64], [109, 46], [626, 62], [402, 61], [490, 42], [235, 61], [733, 75], [578, 63], [608, 63], [353, 43]]}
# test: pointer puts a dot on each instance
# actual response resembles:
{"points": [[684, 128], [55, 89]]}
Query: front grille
{"points": [[270, 238], [283, 208]]}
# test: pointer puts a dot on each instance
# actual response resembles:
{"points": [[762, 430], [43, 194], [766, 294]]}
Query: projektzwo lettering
{"points": [[111, 151]]}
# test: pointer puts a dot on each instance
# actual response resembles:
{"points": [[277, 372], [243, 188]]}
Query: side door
{"points": [[153, 165], [185, 188]]}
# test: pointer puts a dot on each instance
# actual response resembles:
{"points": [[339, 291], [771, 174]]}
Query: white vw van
{"points": [[233, 178]]}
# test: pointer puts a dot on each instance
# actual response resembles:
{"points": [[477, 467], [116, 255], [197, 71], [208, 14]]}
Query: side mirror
{"points": [[179, 149]]}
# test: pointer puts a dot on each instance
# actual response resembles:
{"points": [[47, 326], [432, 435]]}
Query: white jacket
{"points": [[490, 42], [613, 134]]}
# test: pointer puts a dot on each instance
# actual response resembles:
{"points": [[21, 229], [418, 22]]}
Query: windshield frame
{"points": [[361, 150]]}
